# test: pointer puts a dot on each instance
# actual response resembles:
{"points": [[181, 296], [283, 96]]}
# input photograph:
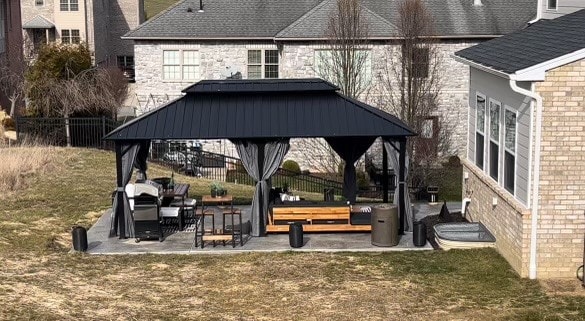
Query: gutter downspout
{"points": [[536, 172], [538, 12]]}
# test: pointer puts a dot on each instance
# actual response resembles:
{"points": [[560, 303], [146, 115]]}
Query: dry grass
{"points": [[18, 163], [40, 280]]}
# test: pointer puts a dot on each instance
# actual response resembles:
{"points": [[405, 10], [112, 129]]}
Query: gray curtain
{"points": [[141, 157], [271, 154], [350, 149], [133, 155], [393, 156]]}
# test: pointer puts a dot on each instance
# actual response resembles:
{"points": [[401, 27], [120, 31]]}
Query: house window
{"points": [[69, 5], [479, 130], [70, 36], [551, 4], [419, 60], [494, 139], [262, 64], [328, 66], [126, 65], [39, 3], [509, 149], [181, 65]]}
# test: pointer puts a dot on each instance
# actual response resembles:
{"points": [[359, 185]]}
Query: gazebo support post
{"points": [[402, 184], [384, 174], [261, 220], [121, 223]]}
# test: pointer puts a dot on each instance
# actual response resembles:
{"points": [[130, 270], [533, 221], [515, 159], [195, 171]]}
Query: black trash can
{"points": [[79, 236], [419, 234], [295, 235]]}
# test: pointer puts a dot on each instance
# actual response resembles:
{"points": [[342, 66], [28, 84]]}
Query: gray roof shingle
{"points": [[304, 19], [38, 22], [541, 42]]}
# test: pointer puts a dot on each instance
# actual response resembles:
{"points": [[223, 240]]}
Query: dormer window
{"points": [[551, 5]]}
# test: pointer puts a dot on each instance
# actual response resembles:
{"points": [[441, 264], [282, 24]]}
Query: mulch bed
{"points": [[432, 220]]}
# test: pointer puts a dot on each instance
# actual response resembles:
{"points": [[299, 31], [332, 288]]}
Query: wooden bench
{"points": [[314, 219]]}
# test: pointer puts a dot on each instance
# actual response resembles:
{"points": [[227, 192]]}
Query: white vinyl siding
{"points": [[497, 89], [181, 65]]}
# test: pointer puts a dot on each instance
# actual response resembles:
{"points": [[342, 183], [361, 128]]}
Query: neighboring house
{"points": [[10, 39], [551, 9], [524, 167], [284, 39], [99, 23]]}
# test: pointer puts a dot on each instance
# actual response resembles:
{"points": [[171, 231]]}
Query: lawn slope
{"points": [[40, 280]]}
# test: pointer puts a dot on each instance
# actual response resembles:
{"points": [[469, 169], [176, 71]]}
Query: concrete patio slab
{"points": [[181, 242]]}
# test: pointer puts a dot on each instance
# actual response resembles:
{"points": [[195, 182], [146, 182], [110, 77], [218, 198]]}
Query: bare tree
{"points": [[409, 86], [94, 92], [346, 61]]}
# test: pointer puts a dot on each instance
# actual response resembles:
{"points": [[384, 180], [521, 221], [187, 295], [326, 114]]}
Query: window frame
{"points": [[477, 132], [263, 63], [70, 37], [181, 64], [512, 153], [68, 5], [497, 141], [548, 5]]}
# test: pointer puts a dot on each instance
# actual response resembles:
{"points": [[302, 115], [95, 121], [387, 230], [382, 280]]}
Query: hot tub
{"points": [[463, 235]]}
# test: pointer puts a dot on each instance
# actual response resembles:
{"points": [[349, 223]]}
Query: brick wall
{"points": [[509, 220], [561, 225]]}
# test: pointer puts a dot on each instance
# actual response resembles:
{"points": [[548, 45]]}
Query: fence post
{"points": [[103, 132], [16, 128]]}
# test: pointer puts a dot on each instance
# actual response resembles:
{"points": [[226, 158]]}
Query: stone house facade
{"points": [[523, 168], [99, 23], [219, 48]]}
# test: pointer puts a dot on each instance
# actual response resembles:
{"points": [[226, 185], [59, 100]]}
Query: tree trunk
{"points": [[67, 131]]}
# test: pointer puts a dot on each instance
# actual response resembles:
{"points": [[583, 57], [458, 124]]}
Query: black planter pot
{"points": [[213, 193]]}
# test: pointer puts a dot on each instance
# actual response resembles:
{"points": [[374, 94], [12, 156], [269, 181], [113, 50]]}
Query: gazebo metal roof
{"points": [[279, 108]]}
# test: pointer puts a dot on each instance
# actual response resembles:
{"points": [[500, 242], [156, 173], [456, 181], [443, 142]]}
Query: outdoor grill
{"points": [[147, 219]]}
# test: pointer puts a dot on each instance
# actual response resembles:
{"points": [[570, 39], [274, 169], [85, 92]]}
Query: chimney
{"points": [[200, 6], [477, 3]]}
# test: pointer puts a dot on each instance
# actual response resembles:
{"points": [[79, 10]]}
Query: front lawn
{"points": [[40, 280]]}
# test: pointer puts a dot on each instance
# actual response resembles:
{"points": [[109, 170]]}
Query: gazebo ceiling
{"points": [[279, 108]]}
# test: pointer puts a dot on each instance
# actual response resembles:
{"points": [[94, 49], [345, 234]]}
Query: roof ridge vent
{"points": [[477, 3]]}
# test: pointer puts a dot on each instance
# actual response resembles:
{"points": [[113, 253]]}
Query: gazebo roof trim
{"points": [[260, 85]]}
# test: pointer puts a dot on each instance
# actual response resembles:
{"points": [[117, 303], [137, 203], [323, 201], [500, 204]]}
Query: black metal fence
{"points": [[81, 132], [182, 156], [187, 157]]}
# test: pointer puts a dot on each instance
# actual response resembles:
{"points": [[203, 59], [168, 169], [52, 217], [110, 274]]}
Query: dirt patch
{"points": [[563, 287]]}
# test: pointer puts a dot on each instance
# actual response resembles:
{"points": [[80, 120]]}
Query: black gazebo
{"points": [[259, 117]]}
